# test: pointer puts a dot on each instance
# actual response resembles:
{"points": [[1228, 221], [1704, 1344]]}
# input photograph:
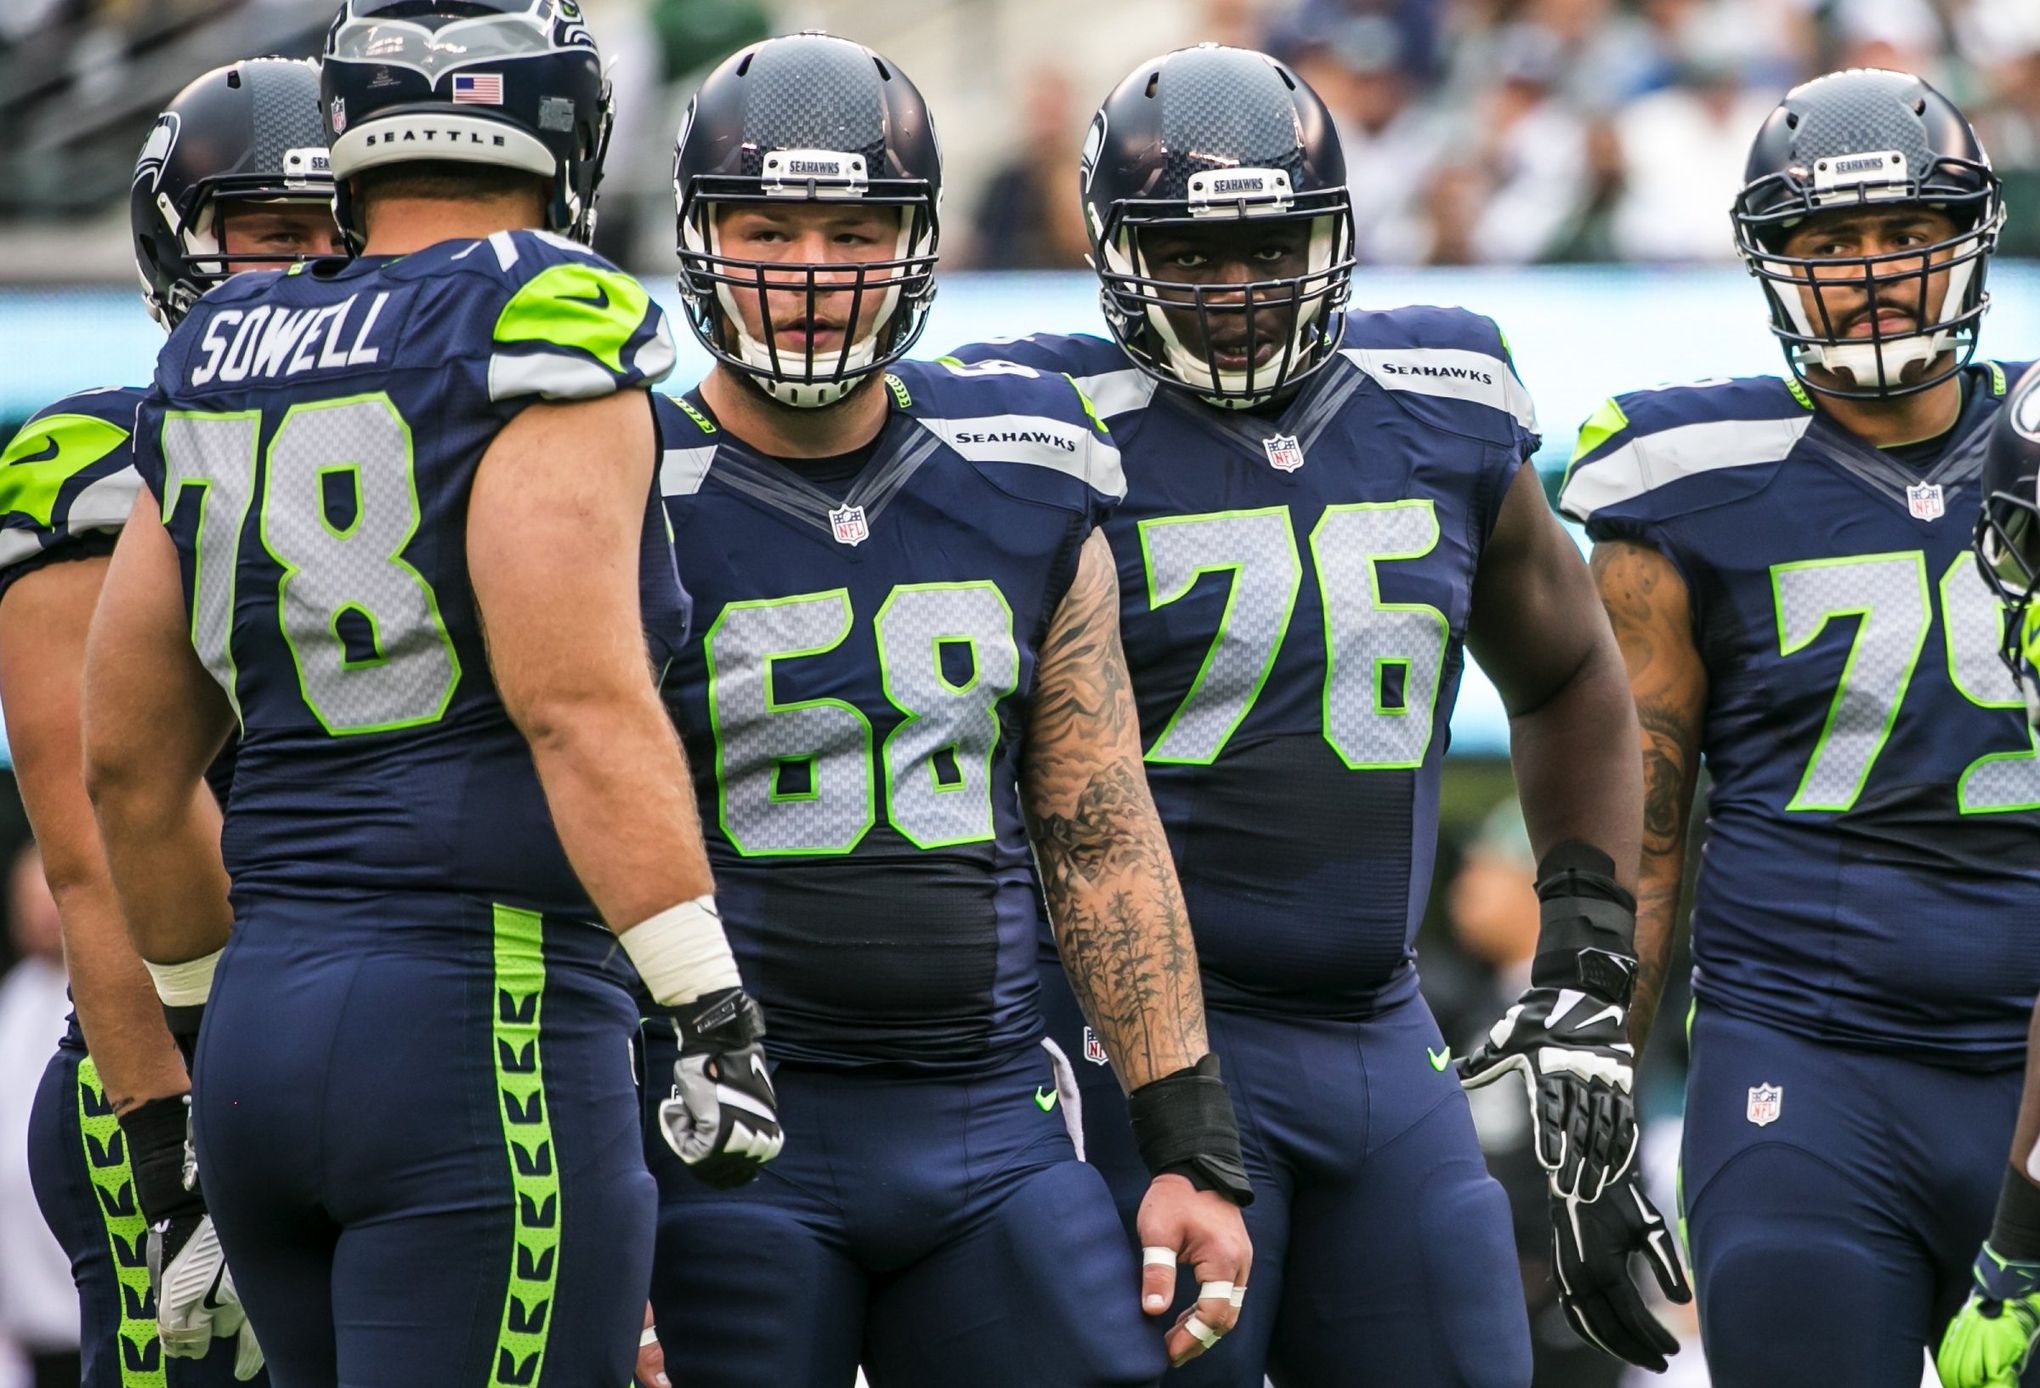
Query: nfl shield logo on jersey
{"points": [[1094, 1049], [847, 524], [1766, 1102], [1285, 454], [1923, 499]]}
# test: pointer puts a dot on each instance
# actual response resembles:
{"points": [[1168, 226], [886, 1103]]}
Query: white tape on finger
{"points": [[1215, 1291], [1239, 1296], [649, 1338], [1158, 1257], [1196, 1329]]}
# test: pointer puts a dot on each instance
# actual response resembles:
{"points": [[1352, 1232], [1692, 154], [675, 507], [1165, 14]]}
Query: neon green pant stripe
{"points": [[527, 1139], [106, 1159]]}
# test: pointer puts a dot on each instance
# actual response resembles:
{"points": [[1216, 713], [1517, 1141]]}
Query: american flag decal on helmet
{"points": [[478, 89]]}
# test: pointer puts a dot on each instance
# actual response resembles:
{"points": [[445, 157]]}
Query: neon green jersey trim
{"points": [[527, 1138], [577, 305], [106, 1162], [47, 454], [1603, 424]]}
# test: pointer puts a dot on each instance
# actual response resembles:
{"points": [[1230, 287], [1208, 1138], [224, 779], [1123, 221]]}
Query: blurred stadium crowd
{"points": [[1476, 131]]}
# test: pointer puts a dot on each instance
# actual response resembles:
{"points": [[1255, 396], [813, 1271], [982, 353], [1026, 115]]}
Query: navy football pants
{"points": [[78, 1164], [937, 1229], [1383, 1251], [418, 1131], [1832, 1242]]}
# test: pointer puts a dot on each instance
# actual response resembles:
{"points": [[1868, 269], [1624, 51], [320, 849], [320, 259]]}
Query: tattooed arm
{"points": [[1104, 860], [1647, 605]]}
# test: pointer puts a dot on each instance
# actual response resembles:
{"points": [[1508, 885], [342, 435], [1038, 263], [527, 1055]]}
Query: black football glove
{"points": [[723, 1118], [1591, 1248], [188, 1276], [1567, 1037]]}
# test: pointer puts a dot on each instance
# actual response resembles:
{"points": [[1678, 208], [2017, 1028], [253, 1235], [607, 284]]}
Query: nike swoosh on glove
{"points": [[1591, 1247], [1571, 1048], [722, 1120], [1991, 1338]]}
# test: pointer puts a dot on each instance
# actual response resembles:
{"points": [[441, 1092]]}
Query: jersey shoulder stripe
{"points": [[69, 472], [997, 414], [1653, 454], [1115, 387], [1450, 366]]}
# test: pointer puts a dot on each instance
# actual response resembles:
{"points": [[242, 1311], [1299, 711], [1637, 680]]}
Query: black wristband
{"points": [[155, 1133], [1587, 934], [184, 1023], [725, 1020], [2015, 1233], [1184, 1126]]}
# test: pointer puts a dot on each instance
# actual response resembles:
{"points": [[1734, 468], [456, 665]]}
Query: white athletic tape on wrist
{"points": [[1196, 1329], [188, 984], [682, 952], [1158, 1257]]}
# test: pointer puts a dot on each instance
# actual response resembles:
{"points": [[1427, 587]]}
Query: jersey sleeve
{"points": [[1033, 431], [1101, 369], [67, 482], [571, 326], [1450, 368]]}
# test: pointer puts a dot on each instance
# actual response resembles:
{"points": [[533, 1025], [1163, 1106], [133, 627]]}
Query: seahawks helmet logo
{"points": [[156, 149], [1094, 145], [2026, 414]]}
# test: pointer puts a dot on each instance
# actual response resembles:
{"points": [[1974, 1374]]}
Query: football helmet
{"points": [[1209, 135], [248, 131], [2008, 533], [810, 118], [516, 84], [1869, 138]]}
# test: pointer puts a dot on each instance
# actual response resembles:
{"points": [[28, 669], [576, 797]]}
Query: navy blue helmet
{"points": [[249, 131], [1207, 136], [514, 84], [808, 118], [1870, 138]]}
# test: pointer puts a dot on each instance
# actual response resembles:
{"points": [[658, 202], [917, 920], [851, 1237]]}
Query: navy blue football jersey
{"points": [[1294, 593], [856, 704], [1872, 867], [67, 481], [312, 436]]}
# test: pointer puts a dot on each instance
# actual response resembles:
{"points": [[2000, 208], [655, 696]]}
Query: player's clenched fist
{"points": [[723, 1118]]}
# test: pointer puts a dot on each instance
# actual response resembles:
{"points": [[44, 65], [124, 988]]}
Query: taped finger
{"points": [[1217, 1291], [649, 1338], [1239, 1296], [1196, 1329], [1152, 1257]]}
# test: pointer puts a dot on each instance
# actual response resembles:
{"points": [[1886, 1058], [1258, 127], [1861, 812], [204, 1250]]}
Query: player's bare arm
{"points": [[553, 538], [42, 667], [1113, 899], [154, 720], [1646, 602], [1124, 936], [1539, 634]]}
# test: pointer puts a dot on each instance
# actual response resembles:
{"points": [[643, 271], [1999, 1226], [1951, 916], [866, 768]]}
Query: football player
{"points": [[1324, 508], [1990, 1341], [412, 1115], [1787, 565], [232, 177], [906, 694]]}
